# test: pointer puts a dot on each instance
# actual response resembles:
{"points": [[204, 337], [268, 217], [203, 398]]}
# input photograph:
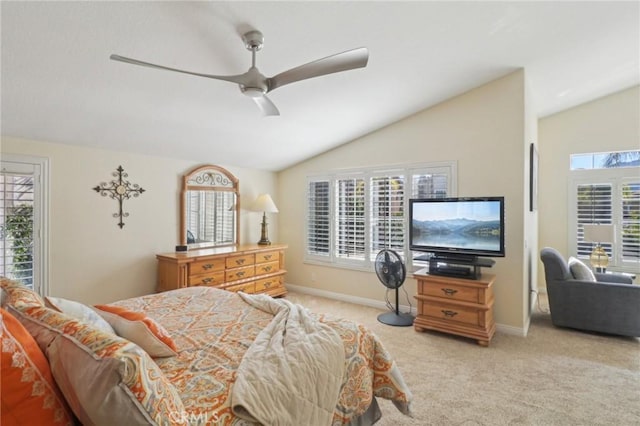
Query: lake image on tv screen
{"points": [[462, 225]]}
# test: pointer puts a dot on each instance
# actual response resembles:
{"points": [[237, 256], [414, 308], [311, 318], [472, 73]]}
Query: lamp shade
{"points": [[264, 203], [598, 233]]}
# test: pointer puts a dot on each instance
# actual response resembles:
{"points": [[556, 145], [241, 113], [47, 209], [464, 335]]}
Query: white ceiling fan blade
{"points": [[266, 106], [239, 79], [351, 59]]}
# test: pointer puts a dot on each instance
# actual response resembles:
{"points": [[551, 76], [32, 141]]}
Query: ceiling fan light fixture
{"points": [[253, 92]]}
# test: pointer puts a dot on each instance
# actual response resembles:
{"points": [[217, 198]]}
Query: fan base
{"points": [[397, 320]]}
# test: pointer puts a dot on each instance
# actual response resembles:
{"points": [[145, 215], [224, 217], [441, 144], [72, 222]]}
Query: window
{"points": [[605, 189], [352, 215], [23, 219]]}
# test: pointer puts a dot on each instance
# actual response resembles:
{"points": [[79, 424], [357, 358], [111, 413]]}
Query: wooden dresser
{"points": [[456, 305], [247, 268]]}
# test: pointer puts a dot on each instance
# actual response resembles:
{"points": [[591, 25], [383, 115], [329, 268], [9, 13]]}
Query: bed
{"points": [[225, 364]]}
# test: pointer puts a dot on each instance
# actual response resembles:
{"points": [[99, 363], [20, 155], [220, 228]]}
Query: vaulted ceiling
{"points": [[59, 85]]}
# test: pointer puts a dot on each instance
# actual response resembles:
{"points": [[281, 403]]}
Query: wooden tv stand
{"points": [[456, 305]]}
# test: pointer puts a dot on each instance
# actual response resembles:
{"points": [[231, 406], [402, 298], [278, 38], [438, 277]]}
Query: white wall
{"points": [[91, 259], [611, 123], [484, 130]]}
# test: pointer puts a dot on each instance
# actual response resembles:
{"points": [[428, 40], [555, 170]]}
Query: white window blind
{"points": [[594, 205], [350, 218], [431, 185], [353, 215], [630, 220], [16, 218], [23, 220], [608, 196], [318, 218], [387, 213]]}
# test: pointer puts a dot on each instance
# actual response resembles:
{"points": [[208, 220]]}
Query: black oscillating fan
{"points": [[392, 273]]}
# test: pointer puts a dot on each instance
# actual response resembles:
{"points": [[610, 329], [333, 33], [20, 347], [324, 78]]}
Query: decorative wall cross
{"points": [[119, 189]]}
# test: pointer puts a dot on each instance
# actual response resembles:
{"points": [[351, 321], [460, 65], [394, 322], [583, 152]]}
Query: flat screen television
{"points": [[458, 227]]}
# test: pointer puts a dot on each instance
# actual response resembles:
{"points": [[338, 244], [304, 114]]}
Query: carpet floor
{"points": [[552, 376]]}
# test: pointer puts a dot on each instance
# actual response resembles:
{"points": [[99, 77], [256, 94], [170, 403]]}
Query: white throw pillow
{"points": [[78, 311], [580, 271], [140, 329]]}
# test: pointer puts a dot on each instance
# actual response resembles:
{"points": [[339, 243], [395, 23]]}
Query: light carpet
{"points": [[553, 376]]}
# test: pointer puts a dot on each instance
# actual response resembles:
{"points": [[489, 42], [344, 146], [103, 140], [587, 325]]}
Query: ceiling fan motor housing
{"points": [[253, 40]]}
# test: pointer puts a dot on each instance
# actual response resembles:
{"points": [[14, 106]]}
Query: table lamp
{"points": [[265, 204], [598, 234]]}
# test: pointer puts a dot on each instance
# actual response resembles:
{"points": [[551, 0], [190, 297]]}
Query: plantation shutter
{"points": [[430, 185], [387, 214], [593, 206], [630, 208], [433, 183], [17, 225], [350, 218], [318, 218]]}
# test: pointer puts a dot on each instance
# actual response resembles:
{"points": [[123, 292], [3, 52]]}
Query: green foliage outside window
{"points": [[18, 229]]}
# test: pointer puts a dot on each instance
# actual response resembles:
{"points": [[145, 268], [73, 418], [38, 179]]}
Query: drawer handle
{"points": [[267, 268], [240, 273], [449, 291], [207, 266], [239, 261], [207, 280], [268, 256], [449, 314], [267, 284]]}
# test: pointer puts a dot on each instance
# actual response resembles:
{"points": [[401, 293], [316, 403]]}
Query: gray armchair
{"points": [[609, 305]]}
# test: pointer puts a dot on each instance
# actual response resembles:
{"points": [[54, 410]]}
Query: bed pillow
{"points": [[580, 271], [27, 390], [78, 311], [140, 329], [19, 295], [104, 378]]}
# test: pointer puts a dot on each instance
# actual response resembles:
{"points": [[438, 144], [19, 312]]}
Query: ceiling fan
{"points": [[255, 85]]}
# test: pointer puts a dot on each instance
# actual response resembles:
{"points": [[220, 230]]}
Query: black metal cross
{"points": [[119, 189]]}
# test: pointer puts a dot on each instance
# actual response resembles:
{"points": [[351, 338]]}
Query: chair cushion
{"points": [[140, 329], [78, 311], [28, 390], [580, 271], [104, 378]]}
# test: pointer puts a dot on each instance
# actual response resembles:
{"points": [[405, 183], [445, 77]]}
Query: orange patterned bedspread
{"points": [[214, 328]]}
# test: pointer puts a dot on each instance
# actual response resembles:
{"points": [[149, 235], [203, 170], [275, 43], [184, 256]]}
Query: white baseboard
{"points": [[345, 297], [506, 329]]}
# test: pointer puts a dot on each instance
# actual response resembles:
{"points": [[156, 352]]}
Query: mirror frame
{"points": [[208, 178]]}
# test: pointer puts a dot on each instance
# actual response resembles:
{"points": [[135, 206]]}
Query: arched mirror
{"points": [[209, 207]]}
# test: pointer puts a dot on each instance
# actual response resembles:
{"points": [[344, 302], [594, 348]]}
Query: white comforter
{"points": [[292, 373]]}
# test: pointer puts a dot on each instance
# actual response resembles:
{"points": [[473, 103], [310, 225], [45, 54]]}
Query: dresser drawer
{"points": [[267, 284], [267, 268], [243, 260], [268, 256], [246, 287], [206, 266], [450, 291], [451, 313], [211, 279], [240, 273]]}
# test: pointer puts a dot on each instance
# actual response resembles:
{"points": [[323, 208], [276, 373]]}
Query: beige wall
{"points": [[484, 131], [611, 123], [91, 259], [530, 253]]}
